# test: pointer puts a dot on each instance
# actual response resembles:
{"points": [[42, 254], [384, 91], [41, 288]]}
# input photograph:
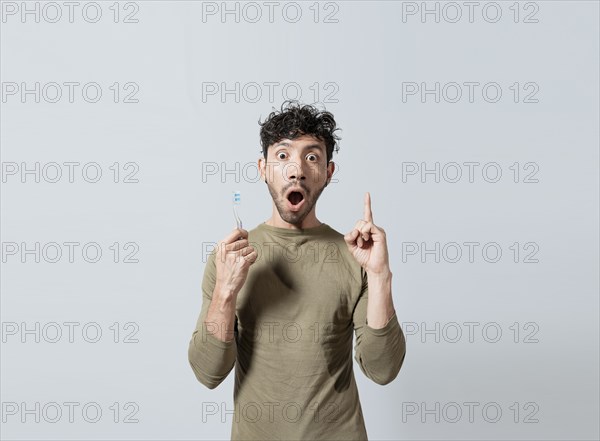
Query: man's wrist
{"points": [[380, 276], [224, 294]]}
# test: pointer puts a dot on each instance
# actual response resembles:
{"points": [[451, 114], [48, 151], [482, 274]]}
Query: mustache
{"points": [[303, 187]]}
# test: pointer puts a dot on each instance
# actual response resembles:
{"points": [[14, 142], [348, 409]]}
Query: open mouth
{"points": [[295, 199]]}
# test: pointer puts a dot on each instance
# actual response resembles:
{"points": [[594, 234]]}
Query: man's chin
{"points": [[293, 217]]}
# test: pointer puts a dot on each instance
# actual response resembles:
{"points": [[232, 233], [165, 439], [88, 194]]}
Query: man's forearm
{"points": [[220, 317], [380, 306]]}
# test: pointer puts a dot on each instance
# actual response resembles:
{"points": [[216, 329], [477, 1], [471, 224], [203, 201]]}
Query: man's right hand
{"points": [[233, 259]]}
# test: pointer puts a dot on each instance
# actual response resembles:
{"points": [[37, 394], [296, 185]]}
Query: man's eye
{"points": [[279, 155], [312, 156]]}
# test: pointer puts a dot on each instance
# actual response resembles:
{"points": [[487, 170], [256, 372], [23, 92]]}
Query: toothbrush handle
{"points": [[237, 218]]}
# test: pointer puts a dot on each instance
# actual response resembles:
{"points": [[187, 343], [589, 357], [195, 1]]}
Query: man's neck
{"points": [[280, 223]]}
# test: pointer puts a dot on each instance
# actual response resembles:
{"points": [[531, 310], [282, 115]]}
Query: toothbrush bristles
{"points": [[237, 200]]}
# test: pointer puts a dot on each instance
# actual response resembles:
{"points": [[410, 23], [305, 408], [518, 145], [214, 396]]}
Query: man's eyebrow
{"points": [[306, 147]]}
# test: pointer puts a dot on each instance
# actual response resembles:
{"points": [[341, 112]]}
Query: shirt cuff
{"points": [[391, 324], [210, 338]]}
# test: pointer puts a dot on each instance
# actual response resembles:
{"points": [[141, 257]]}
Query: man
{"points": [[282, 300]]}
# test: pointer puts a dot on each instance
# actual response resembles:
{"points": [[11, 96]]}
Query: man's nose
{"points": [[295, 170]]}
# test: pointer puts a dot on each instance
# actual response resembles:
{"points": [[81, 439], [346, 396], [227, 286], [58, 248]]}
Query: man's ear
{"points": [[261, 168], [262, 163], [330, 171]]}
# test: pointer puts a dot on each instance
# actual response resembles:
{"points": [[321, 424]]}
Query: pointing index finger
{"points": [[368, 216]]}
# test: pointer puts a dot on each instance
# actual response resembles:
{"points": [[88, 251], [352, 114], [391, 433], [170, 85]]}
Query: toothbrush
{"points": [[237, 200]]}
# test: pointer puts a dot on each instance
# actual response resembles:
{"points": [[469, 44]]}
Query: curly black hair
{"points": [[295, 120]]}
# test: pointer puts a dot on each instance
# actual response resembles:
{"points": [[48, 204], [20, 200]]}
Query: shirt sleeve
{"points": [[379, 352], [210, 358]]}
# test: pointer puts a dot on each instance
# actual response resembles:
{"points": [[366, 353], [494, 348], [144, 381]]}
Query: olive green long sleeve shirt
{"points": [[303, 299]]}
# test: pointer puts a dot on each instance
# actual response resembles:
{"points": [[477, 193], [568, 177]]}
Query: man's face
{"points": [[299, 164]]}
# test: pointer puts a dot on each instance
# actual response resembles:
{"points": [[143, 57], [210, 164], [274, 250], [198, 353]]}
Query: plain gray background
{"points": [[174, 135]]}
